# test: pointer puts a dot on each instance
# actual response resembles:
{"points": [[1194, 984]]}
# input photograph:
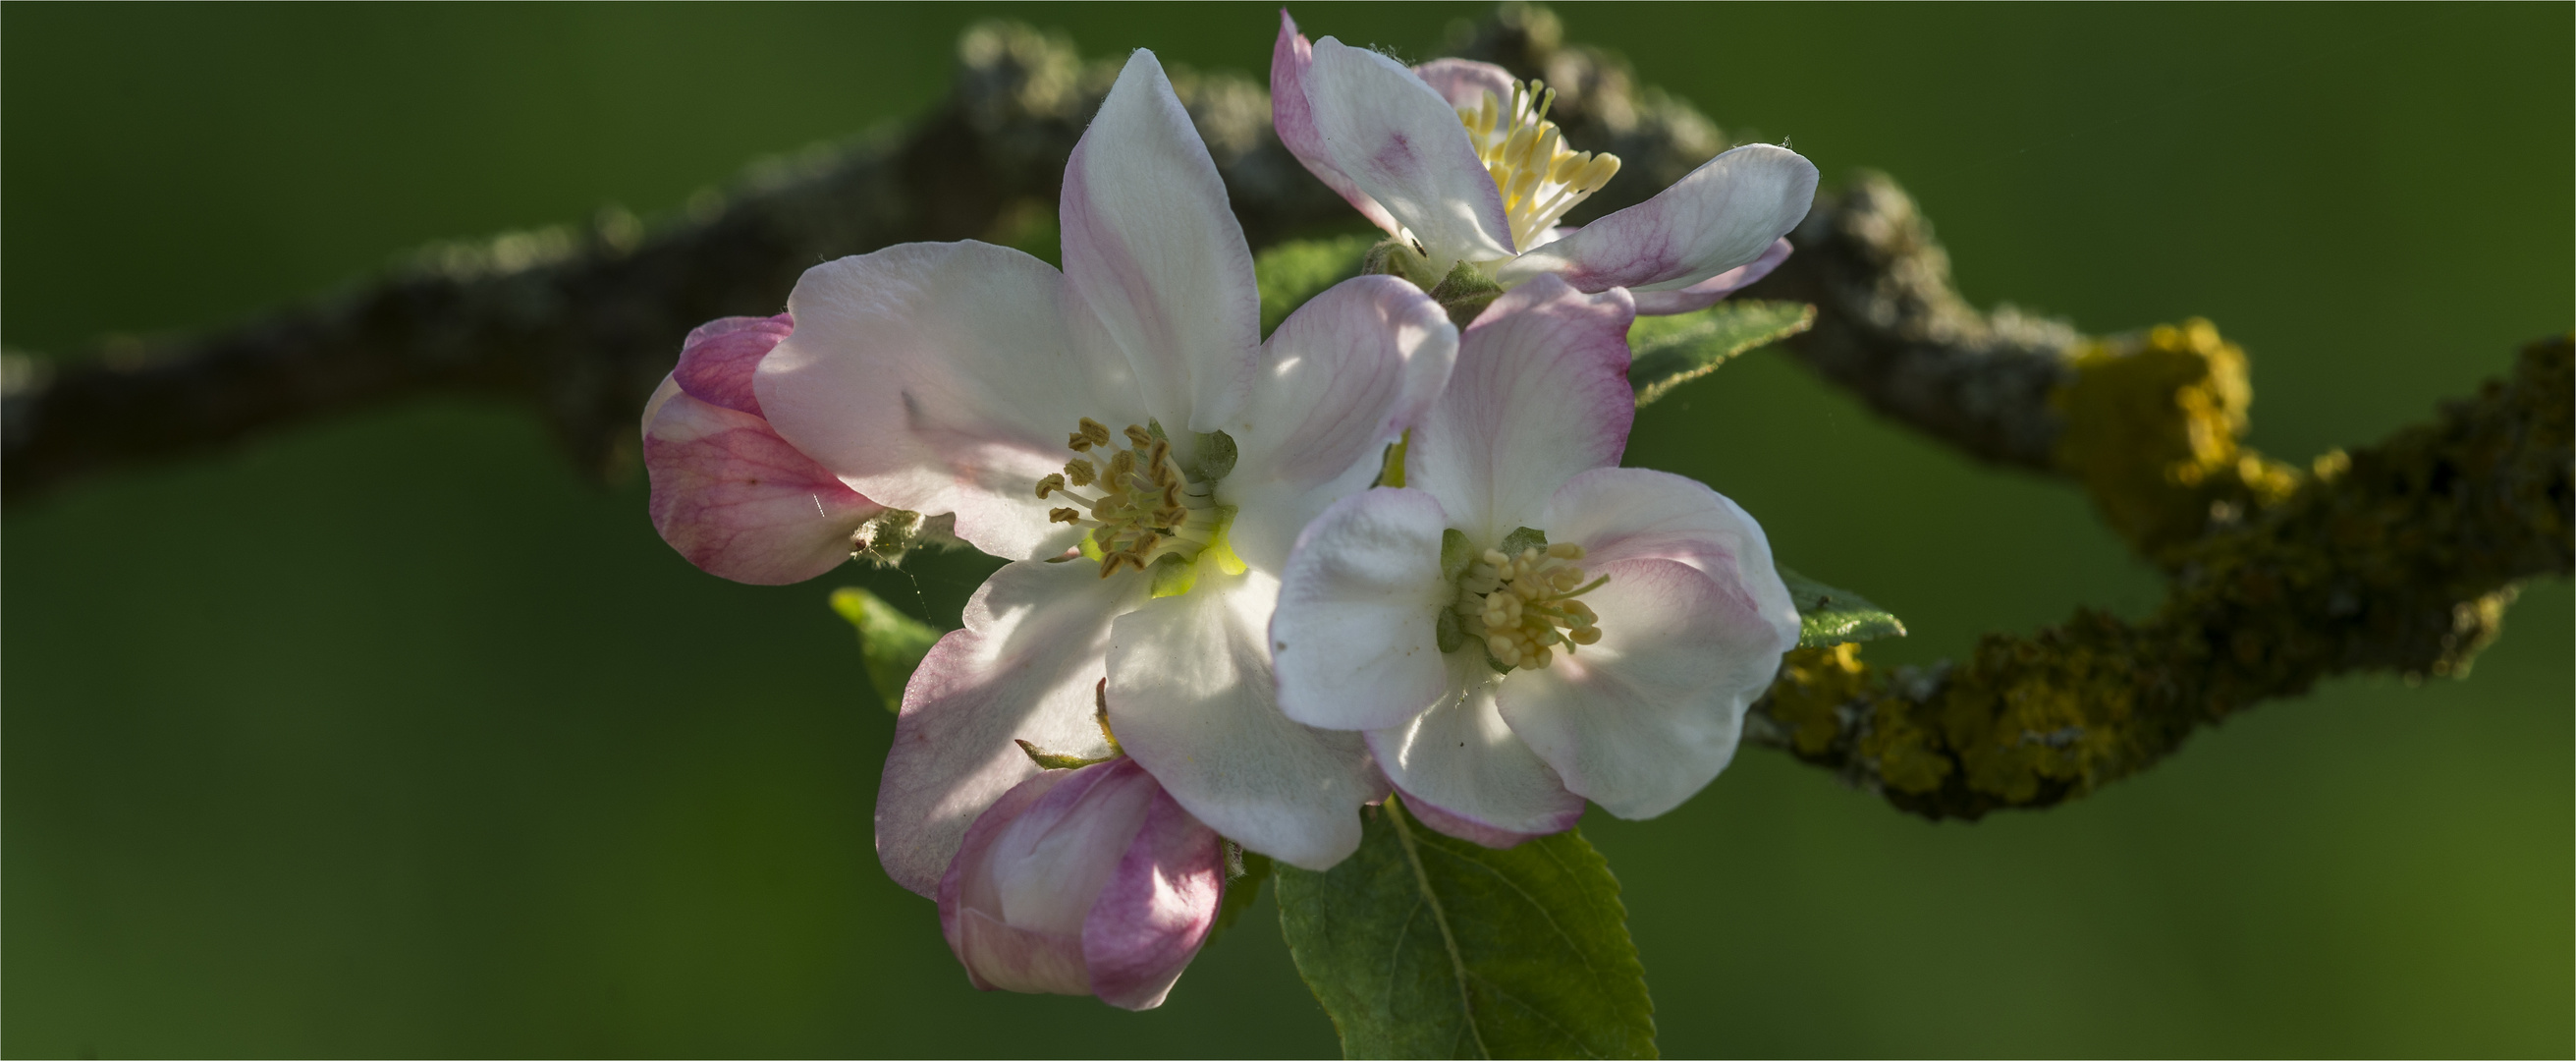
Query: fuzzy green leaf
{"points": [[1667, 352], [891, 643], [1295, 271], [1423, 945], [1829, 616]]}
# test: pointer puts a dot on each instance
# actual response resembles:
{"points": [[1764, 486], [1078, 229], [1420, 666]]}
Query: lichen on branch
{"points": [[2397, 558]]}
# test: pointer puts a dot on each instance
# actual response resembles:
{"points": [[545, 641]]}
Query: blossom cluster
{"points": [[1257, 584]]}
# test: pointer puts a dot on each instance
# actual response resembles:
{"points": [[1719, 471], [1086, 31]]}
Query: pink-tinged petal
{"points": [[1290, 61], [1156, 909], [1191, 696], [717, 359], [1540, 393], [1707, 292], [1648, 716], [1342, 377], [1355, 637], [1024, 667], [738, 501], [1000, 957], [1151, 246], [1021, 956], [1404, 146], [1619, 514], [939, 377], [1722, 215], [1464, 82], [1465, 773]]}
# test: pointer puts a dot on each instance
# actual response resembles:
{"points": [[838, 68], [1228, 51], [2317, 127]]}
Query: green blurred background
{"points": [[391, 735]]}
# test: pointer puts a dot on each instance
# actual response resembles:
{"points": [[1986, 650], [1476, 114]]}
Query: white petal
{"points": [[1292, 58], [1153, 249], [1342, 377], [1646, 717], [1722, 215], [1191, 697], [1404, 146], [936, 377], [1540, 393], [1462, 758], [1036, 641], [1620, 514], [1355, 636]]}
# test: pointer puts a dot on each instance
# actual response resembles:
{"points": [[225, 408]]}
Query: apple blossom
{"points": [[1459, 159], [1524, 624], [1087, 881], [728, 493], [1122, 433]]}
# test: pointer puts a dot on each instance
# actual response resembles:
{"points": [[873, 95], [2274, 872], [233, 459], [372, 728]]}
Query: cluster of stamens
{"points": [[1137, 503], [1522, 604], [1540, 177]]}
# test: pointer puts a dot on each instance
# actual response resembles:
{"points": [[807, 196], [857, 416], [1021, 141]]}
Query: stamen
{"points": [[1523, 607], [1540, 178], [1139, 507]]}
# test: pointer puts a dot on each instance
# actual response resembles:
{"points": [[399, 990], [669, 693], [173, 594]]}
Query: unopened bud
{"points": [[1090, 881]]}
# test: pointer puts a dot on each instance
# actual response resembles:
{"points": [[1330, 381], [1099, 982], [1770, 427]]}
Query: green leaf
{"points": [[1295, 271], [891, 643], [1423, 945], [1244, 872], [1829, 616], [1670, 351]]}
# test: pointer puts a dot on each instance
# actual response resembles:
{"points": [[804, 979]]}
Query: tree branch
{"points": [[2400, 558]]}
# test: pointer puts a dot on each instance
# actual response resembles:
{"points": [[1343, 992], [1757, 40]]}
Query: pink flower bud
{"points": [[1083, 882]]}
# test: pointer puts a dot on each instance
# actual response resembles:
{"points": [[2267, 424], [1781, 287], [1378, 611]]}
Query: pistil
{"points": [[1521, 605]]}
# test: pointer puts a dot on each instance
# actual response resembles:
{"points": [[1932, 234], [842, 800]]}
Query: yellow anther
{"points": [[1599, 173], [1523, 607], [1537, 174], [1140, 506]]}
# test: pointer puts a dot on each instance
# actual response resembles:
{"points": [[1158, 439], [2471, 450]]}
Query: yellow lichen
{"points": [[1813, 683], [2400, 557], [2152, 423]]}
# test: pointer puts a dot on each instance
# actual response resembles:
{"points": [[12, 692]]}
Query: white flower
{"points": [[1129, 407], [1460, 159], [1633, 638]]}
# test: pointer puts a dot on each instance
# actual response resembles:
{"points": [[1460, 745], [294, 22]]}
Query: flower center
{"points": [[1136, 502], [1540, 178], [1520, 605]]}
